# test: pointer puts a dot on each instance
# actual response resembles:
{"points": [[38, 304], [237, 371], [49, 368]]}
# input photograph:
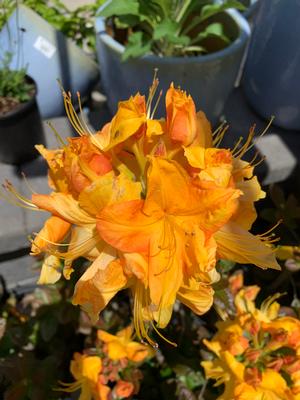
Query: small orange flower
{"points": [[121, 346], [267, 366], [124, 389], [85, 369]]}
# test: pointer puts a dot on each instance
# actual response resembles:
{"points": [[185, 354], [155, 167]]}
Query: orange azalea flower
{"points": [[124, 389], [153, 205], [85, 369], [170, 234], [121, 346], [181, 116], [129, 119], [260, 363]]}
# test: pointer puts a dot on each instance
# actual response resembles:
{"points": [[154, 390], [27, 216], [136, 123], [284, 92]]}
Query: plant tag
{"points": [[45, 47]]}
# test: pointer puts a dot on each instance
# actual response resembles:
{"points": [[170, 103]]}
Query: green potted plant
{"points": [[43, 28], [198, 44], [20, 121]]}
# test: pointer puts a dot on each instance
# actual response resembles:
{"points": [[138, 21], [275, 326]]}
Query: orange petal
{"points": [[204, 133], [239, 245], [51, 271], [130, 117], [54, 231], [126, 227], [169, 188], [197, 296], [63, 206], [98, 285], [108, 189], [56, 174]]}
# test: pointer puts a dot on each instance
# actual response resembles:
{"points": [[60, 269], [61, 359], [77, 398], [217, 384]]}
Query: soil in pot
{"points": [[20, 127], [11, 104]]}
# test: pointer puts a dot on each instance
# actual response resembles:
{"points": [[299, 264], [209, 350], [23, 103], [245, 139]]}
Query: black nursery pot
{"points": [[20, 130]]}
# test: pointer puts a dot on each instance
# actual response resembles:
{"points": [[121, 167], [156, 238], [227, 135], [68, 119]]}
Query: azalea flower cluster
{"points": [[257, 354], [153, 204], [110, 371]]}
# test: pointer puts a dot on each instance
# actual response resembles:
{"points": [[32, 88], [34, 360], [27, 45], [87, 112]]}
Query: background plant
{"points": [[170, 27], [13, 83], [77, 24]]}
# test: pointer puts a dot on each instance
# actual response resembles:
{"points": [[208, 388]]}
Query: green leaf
{"points": [[168, 30], [215, 29], [120, 7], [283, 351], [287, 378], [165, 28], [126, 21], [137, 46], [212, 9], [225, 266], [194, 380], [166, 372]]}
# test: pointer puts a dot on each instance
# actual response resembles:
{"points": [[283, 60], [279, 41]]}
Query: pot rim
{"points": [[22, 107], [239, 42]]}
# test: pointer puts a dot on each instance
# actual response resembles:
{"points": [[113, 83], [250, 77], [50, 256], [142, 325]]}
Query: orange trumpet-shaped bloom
{"points": [[129, 120], [121, 346], [85, 369], [152, 204], [257, 354], [172, 229]]}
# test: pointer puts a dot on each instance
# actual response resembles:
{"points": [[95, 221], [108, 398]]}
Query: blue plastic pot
{"points": [[208, 78], [49, 56], [272, 72], [251, 10]]}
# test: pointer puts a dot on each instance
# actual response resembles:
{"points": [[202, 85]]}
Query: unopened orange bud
{"points": [[253, 354], [276, 364], [253, 376], [124, 389]]}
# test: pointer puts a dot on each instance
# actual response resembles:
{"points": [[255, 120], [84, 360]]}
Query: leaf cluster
{"points": [[170, 27], [77, 24], [37, 344], [13, 83]]}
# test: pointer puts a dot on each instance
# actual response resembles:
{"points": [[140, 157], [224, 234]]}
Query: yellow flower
{"points": [[287, 252], [170, 230], [85, 369], [121, 346], [257, 353], [152, 204]]}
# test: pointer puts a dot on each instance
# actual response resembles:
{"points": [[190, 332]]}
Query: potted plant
{"points": [[50, 55], [271, 78], [197, 44], [20, 121], [251, 8]]}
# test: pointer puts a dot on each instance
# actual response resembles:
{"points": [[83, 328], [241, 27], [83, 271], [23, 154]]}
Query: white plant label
{"points": [[44, 46]]}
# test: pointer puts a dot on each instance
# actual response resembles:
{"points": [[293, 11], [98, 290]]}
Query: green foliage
{"points": [[77, 24], [40, 335], [170, 27], [13, 84]]}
